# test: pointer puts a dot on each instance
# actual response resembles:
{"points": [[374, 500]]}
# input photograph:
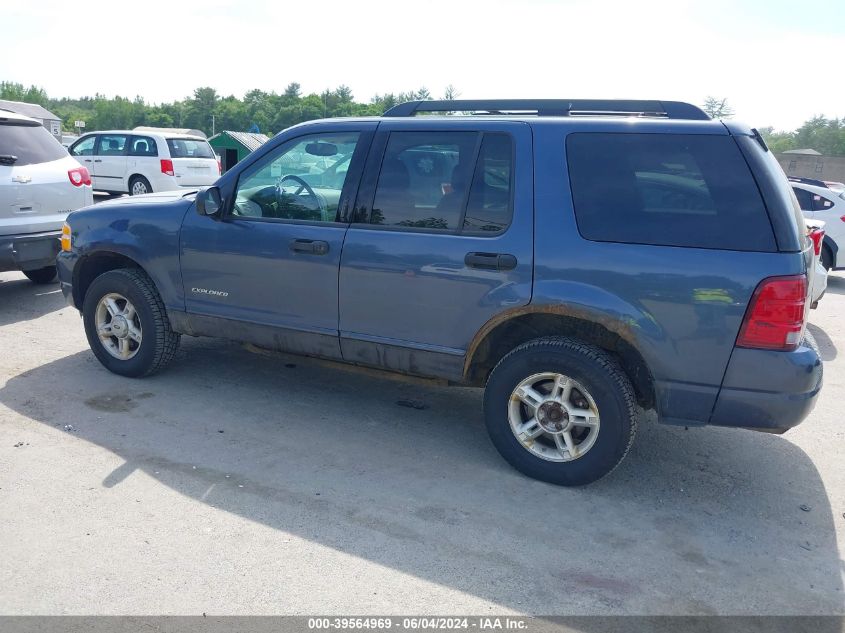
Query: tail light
{"points": [[167, 167], [775, 316], [817, 235], [842, 218], [79, 176], [219, 168]]}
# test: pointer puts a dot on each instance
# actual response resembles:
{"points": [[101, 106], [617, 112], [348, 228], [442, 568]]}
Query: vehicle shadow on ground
{"points": [[835, 283], [827, 348], [693, 522], [22, 300]]}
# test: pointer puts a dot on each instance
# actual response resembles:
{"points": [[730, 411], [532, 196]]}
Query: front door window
{"points": [[303, 180]]}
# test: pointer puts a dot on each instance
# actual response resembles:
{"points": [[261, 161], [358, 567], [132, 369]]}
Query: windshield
{"points": [[189, 148]]}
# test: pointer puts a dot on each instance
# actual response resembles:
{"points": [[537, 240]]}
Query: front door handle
{"points": [[490, 261], [98, 161], [314, 247]]}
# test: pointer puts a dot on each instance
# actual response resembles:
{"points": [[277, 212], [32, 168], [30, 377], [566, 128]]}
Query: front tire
{"points": [[138, 186], [46, 275], [127, 325], [560, 411]]}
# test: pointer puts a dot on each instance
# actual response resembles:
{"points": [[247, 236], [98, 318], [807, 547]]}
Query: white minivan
{"points": [[136, 162]]}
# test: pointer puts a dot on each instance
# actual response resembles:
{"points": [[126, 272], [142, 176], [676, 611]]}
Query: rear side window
{"points": [[143, 146], [820, 203], [189, 148], [445, 181], [30, 144], [667, 190]]}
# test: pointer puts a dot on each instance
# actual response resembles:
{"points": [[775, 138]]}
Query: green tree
{"points": [[12, 91], [200, 108], [718, 108]]}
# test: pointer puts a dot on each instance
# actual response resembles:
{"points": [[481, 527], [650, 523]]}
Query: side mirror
{"points": [[209, 202]]}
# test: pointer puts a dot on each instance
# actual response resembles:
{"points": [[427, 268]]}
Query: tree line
{"points": [[206, 110], [271, 112]]}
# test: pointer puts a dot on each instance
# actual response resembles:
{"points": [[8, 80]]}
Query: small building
{"points": [[808, 163], [35, 111], [233, 147]]}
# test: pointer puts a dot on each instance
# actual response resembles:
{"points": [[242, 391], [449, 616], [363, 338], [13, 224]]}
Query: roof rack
{"points": [[808, 181], [556, 107]]}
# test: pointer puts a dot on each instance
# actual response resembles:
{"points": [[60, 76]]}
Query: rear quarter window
{"points": [[189, 148], [668, 190], [31, 144]]}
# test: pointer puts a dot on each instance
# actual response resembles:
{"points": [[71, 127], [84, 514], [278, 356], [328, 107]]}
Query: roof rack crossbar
{"points": [[556, 107]]}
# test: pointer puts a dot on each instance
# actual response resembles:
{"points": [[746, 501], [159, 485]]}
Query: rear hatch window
{"points": [[189, 148], [28, 144], [666, 189]]}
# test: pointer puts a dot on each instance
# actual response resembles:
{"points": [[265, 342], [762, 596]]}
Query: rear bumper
{"points": [[30, 251], [769, 391]]}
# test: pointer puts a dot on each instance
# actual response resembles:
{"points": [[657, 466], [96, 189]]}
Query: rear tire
{"points": [[123, 307], [46, 275], [599, 400], [138, 186]]}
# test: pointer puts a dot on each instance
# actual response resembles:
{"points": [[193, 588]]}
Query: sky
{"points": [[778, 63]]}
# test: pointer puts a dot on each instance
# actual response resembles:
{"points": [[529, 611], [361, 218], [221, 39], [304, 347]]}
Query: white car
{"points": [[819, 202], [816, 231], [139, 162], [39, 185]]}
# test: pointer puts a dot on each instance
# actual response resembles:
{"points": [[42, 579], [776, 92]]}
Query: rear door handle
{"points": [[490, 261], [314, 247], [87, 160]]}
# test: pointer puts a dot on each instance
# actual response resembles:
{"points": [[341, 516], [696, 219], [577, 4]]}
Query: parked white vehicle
{"points": [[816, 232], [39, 185], [818, 202], [139, 162]]}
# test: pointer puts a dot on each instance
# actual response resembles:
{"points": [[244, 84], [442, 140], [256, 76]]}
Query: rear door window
{"points": [[805, 198], [445, 181], [189, 148], [112, 145], [28, 144], [668, 190]]}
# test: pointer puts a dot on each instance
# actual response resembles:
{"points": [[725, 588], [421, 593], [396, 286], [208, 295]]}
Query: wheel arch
{"points": [[133, 177], [505, 332], [832, 248], [95, 264]]}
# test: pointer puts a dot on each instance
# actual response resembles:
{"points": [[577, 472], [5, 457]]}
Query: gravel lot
{"points": [[245, 482]]}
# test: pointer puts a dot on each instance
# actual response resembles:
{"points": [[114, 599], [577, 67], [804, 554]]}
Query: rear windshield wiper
{"points": [[8, 159]]}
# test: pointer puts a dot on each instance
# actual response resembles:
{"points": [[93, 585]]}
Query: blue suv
{"points": [[580, 260]]}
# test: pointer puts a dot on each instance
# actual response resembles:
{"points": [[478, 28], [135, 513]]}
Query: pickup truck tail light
{"points": [[219, 167], [167, 167], [79, 176], [774, 319], [817, 235]]}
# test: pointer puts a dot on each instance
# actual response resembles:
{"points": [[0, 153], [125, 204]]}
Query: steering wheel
{"points": [[303, 186]]}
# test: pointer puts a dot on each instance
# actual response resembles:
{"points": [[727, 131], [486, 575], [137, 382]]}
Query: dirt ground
{"points": [[239, 482]]}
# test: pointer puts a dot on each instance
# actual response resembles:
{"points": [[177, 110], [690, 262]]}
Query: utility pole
{"points": [[212, 125]]}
